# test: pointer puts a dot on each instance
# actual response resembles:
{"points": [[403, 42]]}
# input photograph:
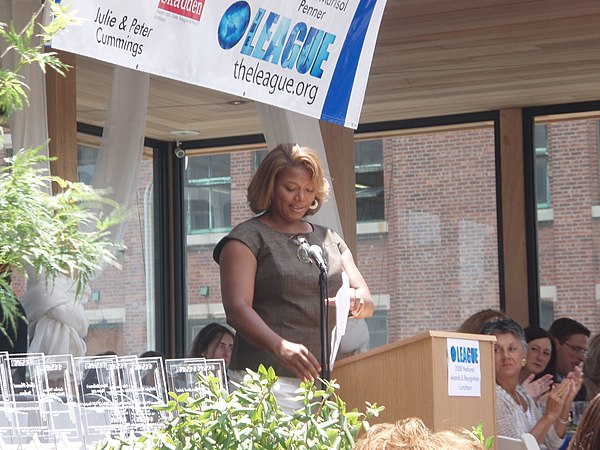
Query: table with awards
{"points": [[58, 401]]}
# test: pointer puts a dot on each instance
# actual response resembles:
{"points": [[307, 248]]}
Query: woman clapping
{"points": [[516, 412]]}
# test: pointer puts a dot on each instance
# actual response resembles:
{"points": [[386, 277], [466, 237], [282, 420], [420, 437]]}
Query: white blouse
{"points": [[513, 422]]}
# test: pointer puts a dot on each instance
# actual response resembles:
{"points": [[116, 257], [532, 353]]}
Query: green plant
{"points": [[250, 418], [39, 232], [478, 432], [30, 50], [49, 234]]}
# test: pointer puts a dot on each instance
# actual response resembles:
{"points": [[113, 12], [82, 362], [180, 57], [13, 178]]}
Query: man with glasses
{"points": [[570, 340]]}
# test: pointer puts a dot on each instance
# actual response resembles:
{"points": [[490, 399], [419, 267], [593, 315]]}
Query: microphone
{"points": [[316, 254]]}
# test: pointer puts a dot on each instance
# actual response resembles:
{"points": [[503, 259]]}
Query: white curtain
{"points": [[29, 127], [57, 321], [120, 155]]}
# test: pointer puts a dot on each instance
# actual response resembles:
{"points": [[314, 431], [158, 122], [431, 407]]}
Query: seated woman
{"points": [[214, 341], [537, 375], [516, 411]]}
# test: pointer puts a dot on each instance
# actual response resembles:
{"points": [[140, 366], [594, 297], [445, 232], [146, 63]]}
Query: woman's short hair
{"points": [[284, 156], [412, 434], [207, 335], [506, 326], [474, 323]]}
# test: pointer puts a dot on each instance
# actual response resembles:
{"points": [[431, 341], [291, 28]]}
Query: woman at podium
{"points": [[270, 272], [516, 412]]}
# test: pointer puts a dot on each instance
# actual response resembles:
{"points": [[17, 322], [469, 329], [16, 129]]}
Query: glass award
{"points": [[29, 385], [144, 381], [61, 399], [183, 374], [9, 419], [216, 367], [97, 381]]}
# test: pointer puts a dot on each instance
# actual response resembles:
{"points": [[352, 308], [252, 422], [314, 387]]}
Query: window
{"points": [[86, 161], [378, 328], [369, 181], [208, 193], [542, 180], [6, 150], [568, 246], [106, 310], [257, 158]]}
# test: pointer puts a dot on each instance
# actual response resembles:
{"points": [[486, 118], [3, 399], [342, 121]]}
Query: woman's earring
{"points": [[314, 204], [523, 362]]}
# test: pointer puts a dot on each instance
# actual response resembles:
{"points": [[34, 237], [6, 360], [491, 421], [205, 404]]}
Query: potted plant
{"points": [[250, 418], [44, 234]]}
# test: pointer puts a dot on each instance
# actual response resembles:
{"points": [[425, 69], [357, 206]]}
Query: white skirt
{"points": [[284, 390]]}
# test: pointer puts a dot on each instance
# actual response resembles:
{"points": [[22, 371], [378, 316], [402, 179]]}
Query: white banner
{"points": [[308, 56]]}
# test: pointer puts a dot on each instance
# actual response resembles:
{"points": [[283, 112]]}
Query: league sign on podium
{"points": [[308, 56], [464, 368]]}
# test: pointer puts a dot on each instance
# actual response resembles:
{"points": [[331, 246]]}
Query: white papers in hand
{"points": [[342, 302]]}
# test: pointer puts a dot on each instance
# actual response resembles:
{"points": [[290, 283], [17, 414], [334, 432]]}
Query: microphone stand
{"points": [[325, 367]]}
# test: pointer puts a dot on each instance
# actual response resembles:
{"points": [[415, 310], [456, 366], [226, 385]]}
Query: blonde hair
{"points": [[284, 156], [412, 434], [587, 436]]}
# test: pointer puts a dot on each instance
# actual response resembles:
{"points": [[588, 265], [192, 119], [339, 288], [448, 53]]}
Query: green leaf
{"points": [[49, 234], [250, 418]]}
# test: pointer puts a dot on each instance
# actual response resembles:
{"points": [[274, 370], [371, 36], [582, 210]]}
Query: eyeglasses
{"points": [[578, 350]]}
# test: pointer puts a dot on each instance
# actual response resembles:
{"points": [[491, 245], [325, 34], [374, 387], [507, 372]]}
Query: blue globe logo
{"points": [[233, 24], [453, 353]]}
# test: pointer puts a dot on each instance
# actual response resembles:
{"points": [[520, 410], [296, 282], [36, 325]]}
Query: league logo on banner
{"points": [[309, 56]]}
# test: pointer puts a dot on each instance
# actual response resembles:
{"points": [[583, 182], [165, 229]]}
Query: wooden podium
{"points": [[410, 378]]}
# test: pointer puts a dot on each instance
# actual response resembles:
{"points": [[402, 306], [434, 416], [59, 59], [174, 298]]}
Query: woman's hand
{"points": [[537, 388], [298, 360], [577, 377], [357, 304], [556, 399]]}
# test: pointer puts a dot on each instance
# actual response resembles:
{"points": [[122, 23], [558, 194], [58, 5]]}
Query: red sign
{"points": [[191, 9]]}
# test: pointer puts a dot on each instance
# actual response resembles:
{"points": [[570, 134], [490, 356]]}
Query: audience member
{"points": [[412, 434], [537, 375], [214, 341], [587, 436], [516, 412], [570, 340], [475, 323], [591, 368]]}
